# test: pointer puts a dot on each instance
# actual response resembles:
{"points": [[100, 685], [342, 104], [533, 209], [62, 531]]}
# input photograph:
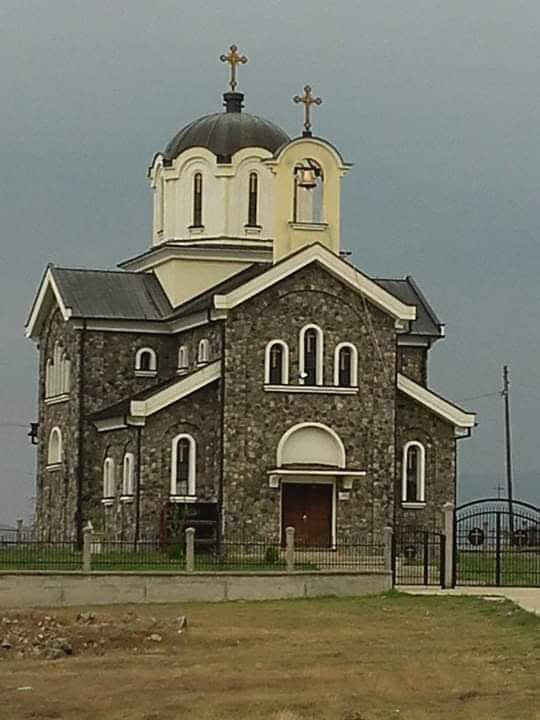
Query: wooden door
{"points": [[308, 508]]}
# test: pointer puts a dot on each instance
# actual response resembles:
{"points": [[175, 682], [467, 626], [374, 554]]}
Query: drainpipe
{"points": [[138, 496], [222, 458], [80, 470]]}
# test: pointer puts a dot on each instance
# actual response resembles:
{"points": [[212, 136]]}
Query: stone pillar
{"points": [[289, 552], [19, 536], [87, 548], [190, 549], [388, 534], [448, 524]]}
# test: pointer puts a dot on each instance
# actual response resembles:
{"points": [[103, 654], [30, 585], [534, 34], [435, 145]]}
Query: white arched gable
{"points": [[320, 354], [311, 444], [285, 361]]}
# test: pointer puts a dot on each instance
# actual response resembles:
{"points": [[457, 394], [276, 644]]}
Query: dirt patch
{"points": [[49, 636]]}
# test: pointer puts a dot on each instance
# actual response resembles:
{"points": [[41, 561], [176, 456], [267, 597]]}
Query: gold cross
{"points": [[308, 100], [233, 58]]}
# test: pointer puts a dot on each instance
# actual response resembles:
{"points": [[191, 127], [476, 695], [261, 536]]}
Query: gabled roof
{"points": [[317, 253], [426, 323], [103, 294], [138, 407], [453, 414]]}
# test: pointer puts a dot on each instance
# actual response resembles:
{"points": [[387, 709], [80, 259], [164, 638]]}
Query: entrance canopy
{"points": [[311, 444]]}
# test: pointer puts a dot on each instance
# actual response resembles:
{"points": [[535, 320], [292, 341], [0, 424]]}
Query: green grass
{"points": [[517, 568]]}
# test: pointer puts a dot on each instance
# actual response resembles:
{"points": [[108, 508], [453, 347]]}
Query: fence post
{"points": [[289, 553], [190, 549], [449, 545], [387, 534], [87, 549], [19, 536]]}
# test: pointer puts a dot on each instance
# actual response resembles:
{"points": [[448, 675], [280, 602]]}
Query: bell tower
{"points": [[307, 174]]}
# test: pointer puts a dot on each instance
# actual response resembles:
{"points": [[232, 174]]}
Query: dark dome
{"points": [[227, 132]]}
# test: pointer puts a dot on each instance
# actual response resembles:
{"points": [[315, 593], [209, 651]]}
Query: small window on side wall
{"points": [[203, 352], [413, 479], [146, 362], [183, 359], [276, 366]]}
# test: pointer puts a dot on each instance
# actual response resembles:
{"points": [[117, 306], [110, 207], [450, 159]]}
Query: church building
{"points": [[241, 370]]}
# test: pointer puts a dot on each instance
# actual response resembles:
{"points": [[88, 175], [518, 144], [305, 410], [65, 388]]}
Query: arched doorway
{"points": [[310, 454]]}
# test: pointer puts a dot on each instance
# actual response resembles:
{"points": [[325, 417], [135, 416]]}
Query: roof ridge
{"points": [[98, 270]]}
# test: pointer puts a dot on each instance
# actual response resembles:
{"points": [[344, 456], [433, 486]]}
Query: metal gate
{"points": [[496, 543], [418, 557]]}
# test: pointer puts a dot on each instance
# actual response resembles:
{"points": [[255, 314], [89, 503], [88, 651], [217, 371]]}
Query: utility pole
{"points": [[506, 395]]}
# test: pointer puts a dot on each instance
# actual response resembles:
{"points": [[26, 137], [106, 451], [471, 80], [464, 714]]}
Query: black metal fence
{"points": [[29, 551], [497, 543], [418, 557]]}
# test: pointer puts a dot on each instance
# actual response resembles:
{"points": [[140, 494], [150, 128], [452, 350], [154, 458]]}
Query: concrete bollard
{"points": [[289, 552], [190, 549], [448, 524], [388, 534], [87, 549]]}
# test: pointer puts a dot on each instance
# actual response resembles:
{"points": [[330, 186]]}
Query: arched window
{"points": [[54, 451], [108, 479], [345, 365], [197, 200], [413, 478], [252, 199], [128, 475], [183, 358], [203, 352], [311, 355], [146, 361], [183, 458], [49, 378], [308, 192], [276, 363], [57, 373]]}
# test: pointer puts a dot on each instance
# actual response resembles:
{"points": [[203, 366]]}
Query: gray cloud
{"points": [[436, 103]]}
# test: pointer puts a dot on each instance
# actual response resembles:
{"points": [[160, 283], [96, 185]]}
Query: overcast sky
{"points": [[435, 102]]}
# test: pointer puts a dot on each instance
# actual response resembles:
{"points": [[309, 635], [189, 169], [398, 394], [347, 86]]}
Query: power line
{"points": [[478, 397]]}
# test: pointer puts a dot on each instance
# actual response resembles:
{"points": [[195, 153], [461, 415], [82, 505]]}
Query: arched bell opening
{"points": [[308, 192]]}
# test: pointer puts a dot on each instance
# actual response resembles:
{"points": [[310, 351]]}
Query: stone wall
{"points": [[415, 422], [412, 362], [22, 590], [255, 419]]}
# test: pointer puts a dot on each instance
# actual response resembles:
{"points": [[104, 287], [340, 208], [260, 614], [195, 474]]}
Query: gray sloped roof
{"points": [[406, 290], [112, 294]]}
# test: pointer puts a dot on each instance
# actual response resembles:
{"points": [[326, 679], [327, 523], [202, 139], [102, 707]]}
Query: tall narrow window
{"points": [[108, 481], [54, 451], [413, 484], [345, 365], [276, 363], [252, 203], [128, 475], [183, 466], [310, 357], [197, 200]]}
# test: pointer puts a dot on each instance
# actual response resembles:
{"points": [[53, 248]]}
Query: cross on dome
{"points": [[308, 100], [233, 58]]}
